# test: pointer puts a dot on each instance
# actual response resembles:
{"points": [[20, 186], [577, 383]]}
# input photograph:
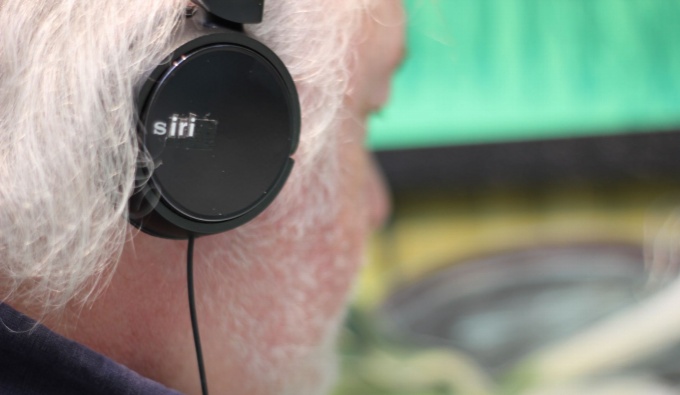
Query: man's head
{"points": [[271, 293]]}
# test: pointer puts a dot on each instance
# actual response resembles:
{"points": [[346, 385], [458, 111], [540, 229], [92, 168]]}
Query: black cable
{"points": [[192, 311]]}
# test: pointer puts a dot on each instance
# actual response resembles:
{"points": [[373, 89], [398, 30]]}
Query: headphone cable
{"points": [[192, 311]]}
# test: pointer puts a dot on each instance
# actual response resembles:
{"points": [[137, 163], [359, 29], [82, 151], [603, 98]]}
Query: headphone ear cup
{"points": [[220, 122]]}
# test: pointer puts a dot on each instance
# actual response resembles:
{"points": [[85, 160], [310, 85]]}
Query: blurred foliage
{"points": [[430, 232]]}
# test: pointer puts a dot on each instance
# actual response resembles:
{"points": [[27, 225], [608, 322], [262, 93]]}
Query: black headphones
{"points": [[220, 119]]}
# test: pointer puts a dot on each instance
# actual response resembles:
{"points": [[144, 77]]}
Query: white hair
{"points": [[69, 71]]}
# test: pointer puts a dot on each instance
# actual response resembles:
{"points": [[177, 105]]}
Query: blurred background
{"points": [[532, 149]]}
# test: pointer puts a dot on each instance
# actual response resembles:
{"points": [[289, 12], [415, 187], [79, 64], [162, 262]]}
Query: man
{"points": [[270, 294]]}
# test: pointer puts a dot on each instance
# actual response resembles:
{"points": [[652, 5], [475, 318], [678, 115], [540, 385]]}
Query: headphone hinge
{"points": [[235, 11], [211, 21]]}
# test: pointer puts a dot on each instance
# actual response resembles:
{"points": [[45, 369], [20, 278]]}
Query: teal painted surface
{"points": [[501, 70]]}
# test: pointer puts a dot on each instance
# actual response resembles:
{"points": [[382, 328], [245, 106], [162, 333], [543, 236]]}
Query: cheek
{"points": [[340, 239], [276, 289], [296, 263]]}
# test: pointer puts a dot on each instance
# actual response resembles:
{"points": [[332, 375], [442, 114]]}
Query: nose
{"points": [[378, 200]]}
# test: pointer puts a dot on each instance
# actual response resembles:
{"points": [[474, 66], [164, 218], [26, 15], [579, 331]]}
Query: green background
{"points": [[502, 70]]}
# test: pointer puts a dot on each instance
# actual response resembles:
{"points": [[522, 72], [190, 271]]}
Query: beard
{"points": [[288, 347], [316, 369]]}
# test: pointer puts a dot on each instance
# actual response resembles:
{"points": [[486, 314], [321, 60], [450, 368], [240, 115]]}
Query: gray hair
{"points": [[69, 71]]}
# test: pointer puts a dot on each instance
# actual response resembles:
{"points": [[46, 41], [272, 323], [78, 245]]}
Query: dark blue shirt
{"points": [[35, 360]]}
